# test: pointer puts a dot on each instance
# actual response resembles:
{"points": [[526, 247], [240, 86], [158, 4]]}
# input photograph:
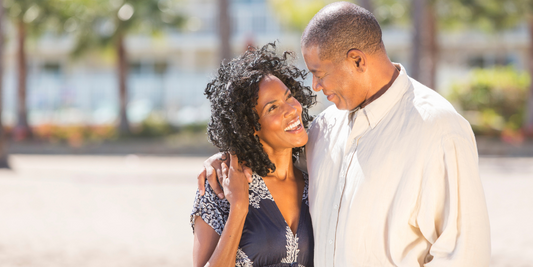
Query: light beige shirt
{"points": [[397, 185]]}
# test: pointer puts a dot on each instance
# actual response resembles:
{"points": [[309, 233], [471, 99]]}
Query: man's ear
{"points": [[358, 59]]}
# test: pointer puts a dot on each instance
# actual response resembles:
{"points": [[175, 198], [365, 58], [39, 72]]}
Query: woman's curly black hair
{"points": [[233, 94]]}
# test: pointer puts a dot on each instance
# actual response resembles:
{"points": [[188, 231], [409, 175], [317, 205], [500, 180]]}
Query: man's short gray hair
{"points": [[340, 27]]}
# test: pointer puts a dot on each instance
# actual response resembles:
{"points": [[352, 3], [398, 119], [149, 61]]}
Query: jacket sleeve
{"points": [[452, 213]]}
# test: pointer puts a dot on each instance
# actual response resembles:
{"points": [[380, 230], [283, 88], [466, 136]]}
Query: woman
{"points": [[259, 110]]}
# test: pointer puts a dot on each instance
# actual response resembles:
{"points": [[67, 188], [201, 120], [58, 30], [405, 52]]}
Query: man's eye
{"points": [[289, 95]]}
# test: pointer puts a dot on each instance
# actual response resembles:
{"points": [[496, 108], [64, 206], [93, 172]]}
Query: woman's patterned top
{"points": [[267, 239]]}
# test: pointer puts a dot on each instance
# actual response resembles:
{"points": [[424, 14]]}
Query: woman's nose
{"points": [[290, 110]]}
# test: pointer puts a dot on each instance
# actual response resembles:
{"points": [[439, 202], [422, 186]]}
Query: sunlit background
{"points": [[103, 117]]}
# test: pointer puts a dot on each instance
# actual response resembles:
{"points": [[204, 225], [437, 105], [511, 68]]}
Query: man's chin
{"points": [[340, 106]]}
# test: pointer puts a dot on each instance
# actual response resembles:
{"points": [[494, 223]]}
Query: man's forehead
{"points": [[311, 50], [312, 59]]}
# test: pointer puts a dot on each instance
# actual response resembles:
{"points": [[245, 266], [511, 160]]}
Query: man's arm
{"points": [[453, 213], [212, 170]]}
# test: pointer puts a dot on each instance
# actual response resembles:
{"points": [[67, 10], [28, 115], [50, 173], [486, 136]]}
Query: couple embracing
{"points": [[388, 176]]}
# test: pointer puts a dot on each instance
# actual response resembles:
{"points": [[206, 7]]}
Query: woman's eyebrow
{"points": [[273, 101]]}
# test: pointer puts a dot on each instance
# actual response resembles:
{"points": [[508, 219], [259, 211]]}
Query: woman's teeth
{"points": [[293, 126]]}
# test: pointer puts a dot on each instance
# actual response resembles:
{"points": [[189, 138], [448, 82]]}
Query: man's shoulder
{"points": [[329, 115], [328, 122], [331, 112], [427, 98], [436, 112]]}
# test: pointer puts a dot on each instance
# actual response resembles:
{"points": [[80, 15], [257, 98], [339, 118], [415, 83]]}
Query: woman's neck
{"points": [[283, 162]]}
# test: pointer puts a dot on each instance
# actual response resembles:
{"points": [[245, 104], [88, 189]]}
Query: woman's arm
{"points": [[210, 249]]}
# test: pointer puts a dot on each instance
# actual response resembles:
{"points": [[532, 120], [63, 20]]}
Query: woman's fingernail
{"points": [[221, 196]]}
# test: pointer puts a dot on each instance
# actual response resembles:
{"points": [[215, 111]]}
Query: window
{"points": [[51, 68]]}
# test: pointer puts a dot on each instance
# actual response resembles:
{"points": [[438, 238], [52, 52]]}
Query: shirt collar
{"points": [[377, 109]]}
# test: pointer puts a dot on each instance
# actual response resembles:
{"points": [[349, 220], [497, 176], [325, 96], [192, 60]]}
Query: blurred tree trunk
{"points": [[430, 54], [124, 126], [224, 32], [3, 145], [417, 10], [424, 57], [367, 4], [22, 129], [528, 124]]}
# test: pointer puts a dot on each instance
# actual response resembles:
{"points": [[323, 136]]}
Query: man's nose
{"points": [[317, 87]]}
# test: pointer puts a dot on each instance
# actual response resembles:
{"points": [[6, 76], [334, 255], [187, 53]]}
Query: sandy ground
{"points": [[80, 211]]}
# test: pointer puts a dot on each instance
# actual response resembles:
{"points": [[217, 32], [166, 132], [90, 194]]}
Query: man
{"points": [[393, 168]]}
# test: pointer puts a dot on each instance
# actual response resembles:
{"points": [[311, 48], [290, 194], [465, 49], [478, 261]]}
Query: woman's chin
{"points": [[300, 142]]}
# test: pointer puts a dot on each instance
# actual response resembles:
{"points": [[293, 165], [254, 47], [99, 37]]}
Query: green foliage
{"points": [[491, 15], [74, 135], [98, 23], [153, 126], [452, 14], [392, 12], [36, 15], [493, 100], [297, 13], [194, 128]]}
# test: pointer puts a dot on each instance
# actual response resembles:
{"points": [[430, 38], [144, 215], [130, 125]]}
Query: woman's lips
{"points": [[294, 124], [298, 129]]}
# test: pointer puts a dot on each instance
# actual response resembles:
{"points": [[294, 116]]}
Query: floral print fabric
{"points": [[267, 240]]}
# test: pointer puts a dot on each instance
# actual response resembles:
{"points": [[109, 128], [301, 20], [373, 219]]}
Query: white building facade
{"points": [[168, 73]]}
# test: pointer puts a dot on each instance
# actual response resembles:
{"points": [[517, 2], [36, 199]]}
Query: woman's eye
{"points": [[272, 108]]}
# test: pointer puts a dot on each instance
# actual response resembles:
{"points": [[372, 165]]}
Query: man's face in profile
{"points": [[335, 79]]}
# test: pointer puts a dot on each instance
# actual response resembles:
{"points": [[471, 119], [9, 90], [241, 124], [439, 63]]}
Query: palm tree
{"points": [[30, 18], [424, 55], [528, 123], [366, 4], [224, 24], [417, 17], [107, 23], [3, 149], [22, 129]]}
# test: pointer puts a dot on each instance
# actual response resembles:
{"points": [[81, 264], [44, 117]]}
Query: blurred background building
{"points": [[168, 70]]}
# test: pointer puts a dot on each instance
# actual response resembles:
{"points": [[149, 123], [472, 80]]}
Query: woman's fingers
{"points": [[201, 182], [248, 173], [234, 162], [223, 179]]}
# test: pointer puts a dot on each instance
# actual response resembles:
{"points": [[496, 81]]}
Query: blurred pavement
{"points": [[81, 211]]}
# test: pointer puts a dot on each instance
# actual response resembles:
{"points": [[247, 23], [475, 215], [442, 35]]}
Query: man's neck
{"points": [[393, 74]]}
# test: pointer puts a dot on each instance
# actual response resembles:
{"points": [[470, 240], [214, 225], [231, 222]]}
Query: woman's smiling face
{"points": [[279, 115]]}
